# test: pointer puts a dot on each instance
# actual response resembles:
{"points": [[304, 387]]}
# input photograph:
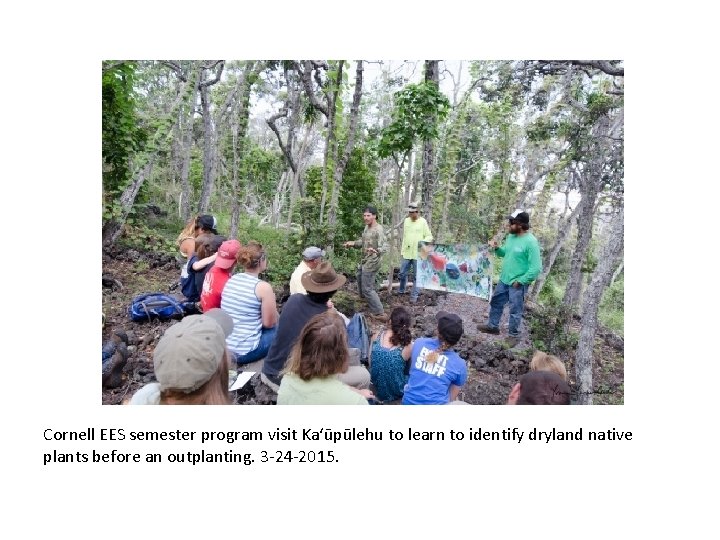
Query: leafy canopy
{"points": [[418, 110]]}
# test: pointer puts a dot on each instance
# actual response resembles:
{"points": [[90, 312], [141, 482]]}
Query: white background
{"points": [[652, 485]]}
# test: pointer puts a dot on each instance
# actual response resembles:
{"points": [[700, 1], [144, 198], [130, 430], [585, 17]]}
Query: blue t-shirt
{"points": [[429, 383]]}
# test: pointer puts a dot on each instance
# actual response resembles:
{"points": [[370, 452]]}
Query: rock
{"points": [[131, 337], [119, 336], [113, 368]]}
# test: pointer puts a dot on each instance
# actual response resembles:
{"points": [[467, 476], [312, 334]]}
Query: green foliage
{"points": [[283, 249], [599, 103], [261, 169], [612, 307], [313, 183], [121, 136], [144, 238], [358, 188], [417, 112], [542, 129], [543, 330]]}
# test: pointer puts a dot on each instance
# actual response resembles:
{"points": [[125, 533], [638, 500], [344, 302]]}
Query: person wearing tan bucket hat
{"points": [[191, 363], [320, 284]]}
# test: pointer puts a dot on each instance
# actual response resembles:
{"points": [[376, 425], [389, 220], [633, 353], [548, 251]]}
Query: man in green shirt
{"points": [[415, 229], [373, 245], [521, 266]]}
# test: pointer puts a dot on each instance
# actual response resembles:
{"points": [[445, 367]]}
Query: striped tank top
{"points": [[242, 304]]}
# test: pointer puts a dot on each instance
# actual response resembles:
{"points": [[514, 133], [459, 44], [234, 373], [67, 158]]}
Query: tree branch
{"points": [[210, 82], [354, 115], [176, 68], [602, 65], [285, 150], [305, 77]]}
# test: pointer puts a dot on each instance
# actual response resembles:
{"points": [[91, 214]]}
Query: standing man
{"points": [[373, 246], [415, 229], [312, 256], [522, 265]]}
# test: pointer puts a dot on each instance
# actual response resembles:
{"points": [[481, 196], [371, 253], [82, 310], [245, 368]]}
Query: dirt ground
{"points": [[493, 368]]}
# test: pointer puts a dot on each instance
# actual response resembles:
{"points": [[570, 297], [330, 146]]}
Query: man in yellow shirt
{"points": [[415, 229]]}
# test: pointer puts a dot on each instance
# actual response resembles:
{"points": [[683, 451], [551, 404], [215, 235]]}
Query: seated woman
{"points": [[318, 357], [191, 363], [186, 238], [198, 226], [218, 275], [202, 224], [208, 251], [436, 371], [389, 356], [206, 246], [251, 304]]}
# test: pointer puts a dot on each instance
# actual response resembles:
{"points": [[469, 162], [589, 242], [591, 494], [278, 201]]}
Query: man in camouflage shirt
{"points": [[373, 246]]}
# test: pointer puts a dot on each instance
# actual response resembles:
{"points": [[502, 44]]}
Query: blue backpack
{"points": [[359, 336], [147, 306]]}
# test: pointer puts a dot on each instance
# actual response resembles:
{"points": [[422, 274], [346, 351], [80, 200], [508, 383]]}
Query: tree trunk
{"points": [[185, 153], [296, 188], [341, 163], [591, 181], [277, 203], [564, 229], [329, 149], [397, 192], [409, 194], [239, 125], [209, 144], [429, 174], [611, 253], [208, 152], [113, 228], [584, 227]]}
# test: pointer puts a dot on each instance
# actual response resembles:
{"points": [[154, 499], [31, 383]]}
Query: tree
{"points": [[209, 144], [335, 158], [417, 111], [429, 172], [608, 262], [143, 162]]}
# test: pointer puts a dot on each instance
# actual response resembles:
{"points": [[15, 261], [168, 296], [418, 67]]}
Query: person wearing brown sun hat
{"points": [[320, 285]]}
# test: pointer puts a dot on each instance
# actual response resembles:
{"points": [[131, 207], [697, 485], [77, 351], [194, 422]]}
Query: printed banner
{"points": [[456, 268]]}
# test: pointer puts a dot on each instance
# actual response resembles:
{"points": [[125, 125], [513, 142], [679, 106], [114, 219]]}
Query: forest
{"points": [[289, 152]]}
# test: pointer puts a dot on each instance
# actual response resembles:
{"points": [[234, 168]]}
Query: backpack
{"points": [[158, 305], [359, 336]]}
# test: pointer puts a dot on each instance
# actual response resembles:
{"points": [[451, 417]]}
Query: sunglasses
{"points": [[413, 211]]}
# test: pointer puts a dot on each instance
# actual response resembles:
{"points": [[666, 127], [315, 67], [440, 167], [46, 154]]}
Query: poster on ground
{"points": [[455, 268]]}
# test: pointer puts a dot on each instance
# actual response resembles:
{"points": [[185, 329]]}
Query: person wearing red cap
{"points": [[219, 274]]}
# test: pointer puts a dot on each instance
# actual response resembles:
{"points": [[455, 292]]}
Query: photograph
{"points": [[354, 232]]}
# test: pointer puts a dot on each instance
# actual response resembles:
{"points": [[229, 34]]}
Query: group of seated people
{"points": [[305, 353]]}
